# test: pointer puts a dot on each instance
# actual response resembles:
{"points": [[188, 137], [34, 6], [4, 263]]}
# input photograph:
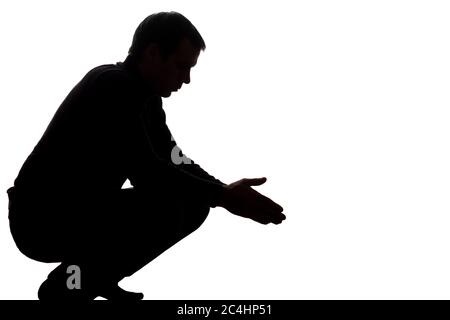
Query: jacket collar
{"points": [[131, 67]]}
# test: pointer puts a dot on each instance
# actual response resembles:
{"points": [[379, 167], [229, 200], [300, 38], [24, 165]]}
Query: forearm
{"points": [[198, 171]]}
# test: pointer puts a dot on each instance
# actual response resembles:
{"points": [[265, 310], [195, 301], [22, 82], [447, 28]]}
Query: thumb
{"points": [[255, 181]]}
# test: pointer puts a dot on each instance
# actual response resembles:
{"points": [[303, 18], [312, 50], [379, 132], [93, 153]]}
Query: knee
{"points": [[195, 217], [203, 213]]}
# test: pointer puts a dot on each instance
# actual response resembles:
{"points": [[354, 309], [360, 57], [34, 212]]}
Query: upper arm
{"points": [[114, 93]]}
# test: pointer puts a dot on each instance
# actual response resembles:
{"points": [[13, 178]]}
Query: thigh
{"points": [[153, 214], [149, 226], [115, 224]]}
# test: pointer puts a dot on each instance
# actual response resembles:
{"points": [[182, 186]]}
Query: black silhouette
{"points": [[67, 204]]}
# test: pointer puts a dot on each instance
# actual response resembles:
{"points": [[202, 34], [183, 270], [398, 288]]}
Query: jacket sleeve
{"points": [[170, 151], [141, 140]]}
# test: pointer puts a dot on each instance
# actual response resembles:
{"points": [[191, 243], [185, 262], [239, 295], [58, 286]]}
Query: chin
{"points": [[166, 94]]}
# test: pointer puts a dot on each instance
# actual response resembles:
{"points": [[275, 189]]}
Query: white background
{"points": [[342, 105]]}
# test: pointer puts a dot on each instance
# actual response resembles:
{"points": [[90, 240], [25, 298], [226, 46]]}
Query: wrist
{"points": [[221, 197]]}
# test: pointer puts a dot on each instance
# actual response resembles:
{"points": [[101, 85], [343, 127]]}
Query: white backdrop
{"points": [[342, 105]]}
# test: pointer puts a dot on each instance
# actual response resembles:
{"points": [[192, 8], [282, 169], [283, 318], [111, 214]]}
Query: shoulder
{"points": [[109, 75]]}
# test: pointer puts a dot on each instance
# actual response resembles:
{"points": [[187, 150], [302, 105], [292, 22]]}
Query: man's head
{"points": [[166, 46]]}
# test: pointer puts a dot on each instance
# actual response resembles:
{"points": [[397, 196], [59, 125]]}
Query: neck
{"points": [[138, 69]]}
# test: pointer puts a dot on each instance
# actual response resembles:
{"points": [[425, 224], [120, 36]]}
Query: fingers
{"points": [[266, 201], [266, 218], [259, 207], [266, 214], [269, 211], [276, 217], [254, 181], [270, 204], [279, 218]]}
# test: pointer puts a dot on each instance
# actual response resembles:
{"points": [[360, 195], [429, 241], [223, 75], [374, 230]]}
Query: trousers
{"points": [[113, 234]]}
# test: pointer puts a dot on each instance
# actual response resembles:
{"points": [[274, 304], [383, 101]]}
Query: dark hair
{"points": [[166, 29]]}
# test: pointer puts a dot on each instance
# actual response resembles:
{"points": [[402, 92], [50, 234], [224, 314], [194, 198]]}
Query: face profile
{"points": [[167, 75]]}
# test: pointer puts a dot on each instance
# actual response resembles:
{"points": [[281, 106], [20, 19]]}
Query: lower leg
{"points": [[134, 235]]}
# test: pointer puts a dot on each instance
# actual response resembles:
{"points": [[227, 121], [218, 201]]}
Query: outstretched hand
{"points": [[241, 199]]}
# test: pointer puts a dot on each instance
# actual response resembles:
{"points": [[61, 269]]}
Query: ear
{"points": [[152, 52]]}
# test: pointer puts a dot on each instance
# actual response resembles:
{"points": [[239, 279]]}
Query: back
{"points": [[70, 155]]}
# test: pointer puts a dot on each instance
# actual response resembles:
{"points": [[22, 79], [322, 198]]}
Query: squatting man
{"points": [[68, 204]]}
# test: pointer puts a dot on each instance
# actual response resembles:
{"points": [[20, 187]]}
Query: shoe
{"points": [[116, 293], [55, 289]]}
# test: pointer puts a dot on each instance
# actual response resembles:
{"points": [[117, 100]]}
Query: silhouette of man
{"points": [[67, 204]]}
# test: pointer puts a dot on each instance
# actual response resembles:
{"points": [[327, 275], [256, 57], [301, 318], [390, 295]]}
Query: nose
{"points": [[187, 78]]}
